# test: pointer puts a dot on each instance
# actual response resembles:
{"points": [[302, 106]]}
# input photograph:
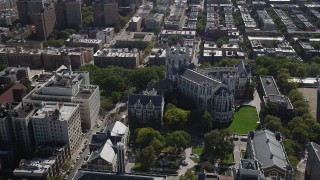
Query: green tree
{"points": [[299, 134], [295, 95], [292, 147], [176, 118], [189, 176], [273, 123], [147, 157], [206, 121], [157, 145], [106, 104], [178, 139], [145, 136], [87, 16], [217, 145], [315, 59], [27, 83], [222, 40], [2, 67]]}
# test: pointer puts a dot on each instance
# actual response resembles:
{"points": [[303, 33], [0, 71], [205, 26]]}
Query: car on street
{"points": [[78, 157]]}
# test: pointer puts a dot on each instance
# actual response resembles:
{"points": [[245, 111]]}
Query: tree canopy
{"points": [[176, 118], [178, 139], [115, 81], [146, 158], [145, 136], [217, 145]]}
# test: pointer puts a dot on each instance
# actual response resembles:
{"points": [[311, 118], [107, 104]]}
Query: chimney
{"points": [[121, 158]]}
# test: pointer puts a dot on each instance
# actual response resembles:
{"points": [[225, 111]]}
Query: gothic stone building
{"points": [[146, 108], [210, 89]]}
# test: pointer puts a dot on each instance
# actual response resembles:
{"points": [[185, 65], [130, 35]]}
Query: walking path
{"points": [[191, 164]]}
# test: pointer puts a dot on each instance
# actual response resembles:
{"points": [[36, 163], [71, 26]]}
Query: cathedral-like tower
{"points": [[177, 59], [318, 100]]}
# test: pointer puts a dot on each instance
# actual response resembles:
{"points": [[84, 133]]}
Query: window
{"points": [[273, 175]]}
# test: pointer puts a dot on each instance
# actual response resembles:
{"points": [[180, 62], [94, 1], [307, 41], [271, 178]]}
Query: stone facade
{"points": [[146, 108], [211, 89]]}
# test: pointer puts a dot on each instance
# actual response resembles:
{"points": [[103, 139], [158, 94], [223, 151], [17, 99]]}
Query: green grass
{"points": [[196, 160], [197, 150], [244, 120], [243, 154], [229, 159], [136, 167]]}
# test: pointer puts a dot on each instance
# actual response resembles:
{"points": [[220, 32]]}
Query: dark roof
{"points": [[7, 96], [199, 78], [98, 139], [269, 151], [162, 85], [269, 85], [281, 99], [316, 149], [248, 164], [242, 67], [145, 99], [105, 175]]}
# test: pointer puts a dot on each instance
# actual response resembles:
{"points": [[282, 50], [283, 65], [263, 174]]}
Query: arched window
{"points": [[273, 174]]}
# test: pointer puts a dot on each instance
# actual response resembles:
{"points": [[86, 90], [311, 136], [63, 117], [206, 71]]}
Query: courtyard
{"points": [[245, 119]]}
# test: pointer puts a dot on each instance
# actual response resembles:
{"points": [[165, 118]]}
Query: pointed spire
{"points": [[167, 48], [178, 46]]}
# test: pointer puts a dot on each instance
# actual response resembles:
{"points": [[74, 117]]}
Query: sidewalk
{"points": [[191, 164]]}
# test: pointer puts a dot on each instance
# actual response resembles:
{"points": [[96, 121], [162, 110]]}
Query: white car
{"points": [[78, 157]]}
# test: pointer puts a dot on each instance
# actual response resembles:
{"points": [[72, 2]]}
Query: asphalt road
{"points": [[84, 154]]}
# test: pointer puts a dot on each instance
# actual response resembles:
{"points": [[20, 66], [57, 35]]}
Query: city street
{"points": [[83, 155]]}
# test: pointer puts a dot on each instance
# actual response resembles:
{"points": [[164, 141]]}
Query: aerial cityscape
{"points": [[159, 90]]}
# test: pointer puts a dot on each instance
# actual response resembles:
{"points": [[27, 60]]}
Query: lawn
{"points": [[197, 150], [196, 160], [229, 159], [244, 120]]}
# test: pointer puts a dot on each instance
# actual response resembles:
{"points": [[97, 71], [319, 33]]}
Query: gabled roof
{"points": [[248, 164], [7, 96], [241, 66], [199, 78], [116, 128], [145, 99], [106, 152], [105, 175], [269, 151]]}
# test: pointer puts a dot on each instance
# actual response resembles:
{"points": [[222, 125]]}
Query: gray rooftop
{"points": [[269, 85], [145, 99], [104, 175], [116, 128], [106, 152], [316, 148], [199, 78], [269, 151]]}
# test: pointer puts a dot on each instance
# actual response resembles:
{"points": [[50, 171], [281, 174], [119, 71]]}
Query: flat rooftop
{"points": [[34, 166], [269, 85], [86, 91]]}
